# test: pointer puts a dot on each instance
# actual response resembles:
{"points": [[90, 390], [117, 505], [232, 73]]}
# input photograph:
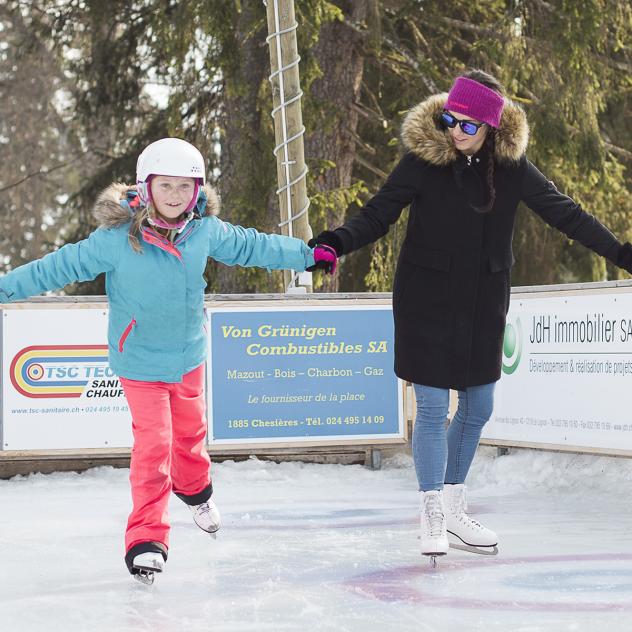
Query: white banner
{"points": [[567, 372], [58, 390]]}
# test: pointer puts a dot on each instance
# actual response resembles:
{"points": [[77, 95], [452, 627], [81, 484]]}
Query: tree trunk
{"points": [[248, 168], [341, 60]]}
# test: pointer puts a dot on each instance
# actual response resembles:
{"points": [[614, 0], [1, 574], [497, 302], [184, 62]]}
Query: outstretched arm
{"points": [[82, 261], [234, 245], [380, 212], [562, 212]]}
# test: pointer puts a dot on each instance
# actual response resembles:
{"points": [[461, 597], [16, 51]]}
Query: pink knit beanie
{"points": [[475, 100]]}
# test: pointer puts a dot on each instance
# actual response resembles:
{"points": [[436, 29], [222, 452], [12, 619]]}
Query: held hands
{"points": [[325, 258], [327, 248]]}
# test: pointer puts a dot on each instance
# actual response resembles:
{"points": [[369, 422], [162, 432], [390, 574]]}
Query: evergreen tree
{"points": [[90, 84]]}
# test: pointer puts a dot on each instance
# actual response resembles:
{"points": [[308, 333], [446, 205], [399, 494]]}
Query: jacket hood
{"points": [[422, 137], [111, 208]]}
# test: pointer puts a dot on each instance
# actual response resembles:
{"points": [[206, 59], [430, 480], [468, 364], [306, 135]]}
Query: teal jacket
{"points": [[156, 329]]}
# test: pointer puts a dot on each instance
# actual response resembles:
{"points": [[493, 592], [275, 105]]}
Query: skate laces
{"points": [[460, 508], [434, 514], [465, 519], [203, 508]]}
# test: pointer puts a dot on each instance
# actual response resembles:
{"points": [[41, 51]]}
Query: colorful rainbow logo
{"points": [[55, 370]]}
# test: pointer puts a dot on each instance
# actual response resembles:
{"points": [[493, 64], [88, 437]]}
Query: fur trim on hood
{"points": [[423, 138], [109, 213]]}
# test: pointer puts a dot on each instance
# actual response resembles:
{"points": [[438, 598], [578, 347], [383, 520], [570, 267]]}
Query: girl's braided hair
{"points": [[490, 141]]}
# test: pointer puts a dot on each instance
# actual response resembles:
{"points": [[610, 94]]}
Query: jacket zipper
{"points": [[180, 238], [126, 333]]}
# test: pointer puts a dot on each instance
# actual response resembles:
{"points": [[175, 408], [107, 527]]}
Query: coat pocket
{"points": [[421, 291], [125, 334], [428, 258]]}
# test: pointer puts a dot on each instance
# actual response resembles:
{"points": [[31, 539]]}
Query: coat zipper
{"points": [[126, 333]]}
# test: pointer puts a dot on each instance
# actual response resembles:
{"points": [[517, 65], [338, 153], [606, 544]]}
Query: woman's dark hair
{"points": [[490, 140], [486, 79]]}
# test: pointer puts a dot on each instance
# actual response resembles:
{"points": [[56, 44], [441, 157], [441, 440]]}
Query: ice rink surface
{"points": [[327, 547]]}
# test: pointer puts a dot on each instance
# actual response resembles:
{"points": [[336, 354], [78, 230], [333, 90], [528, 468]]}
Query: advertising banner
{"points": [[58, 390], [291, 374], [313, 374], [567, 372]]}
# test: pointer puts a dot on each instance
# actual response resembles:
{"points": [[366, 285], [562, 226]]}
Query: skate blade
{"points": [[433, 558], [212, 534], [150, 568], [479, 550], [145, 574], [145, 577]]}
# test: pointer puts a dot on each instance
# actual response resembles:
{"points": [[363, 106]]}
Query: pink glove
{"points": [[325, 258]]}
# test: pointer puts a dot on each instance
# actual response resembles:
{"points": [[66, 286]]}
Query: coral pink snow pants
{"points": [[169, 453]]}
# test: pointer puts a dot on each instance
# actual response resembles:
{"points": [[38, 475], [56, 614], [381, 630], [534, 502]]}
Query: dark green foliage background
{"points": [[75, 111]]}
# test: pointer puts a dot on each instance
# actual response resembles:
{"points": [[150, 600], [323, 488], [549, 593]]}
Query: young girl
{"points": [[153, 246], [464, 173]]}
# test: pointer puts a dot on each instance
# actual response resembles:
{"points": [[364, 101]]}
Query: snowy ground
{"points": [[325, 547]]}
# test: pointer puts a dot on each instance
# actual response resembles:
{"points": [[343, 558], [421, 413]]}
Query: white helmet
{"points": [[170, 157]]}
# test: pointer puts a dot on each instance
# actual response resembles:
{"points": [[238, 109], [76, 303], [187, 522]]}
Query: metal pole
{"points": [[289, 130]]}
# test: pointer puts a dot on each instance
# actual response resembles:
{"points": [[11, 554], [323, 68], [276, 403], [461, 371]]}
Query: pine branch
{"points": [[613, 63], [361, 143], [44, 172], [366, 112], [618, 151], [490, 31], [547, 6], [46, 56], [372, 168], [493, 32], [374, 100]]}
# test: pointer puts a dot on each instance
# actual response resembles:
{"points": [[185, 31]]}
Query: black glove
{"points": [[624, 258], [328, 238]]}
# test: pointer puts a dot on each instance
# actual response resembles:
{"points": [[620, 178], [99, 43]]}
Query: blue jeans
{"points": [[442, 456]]}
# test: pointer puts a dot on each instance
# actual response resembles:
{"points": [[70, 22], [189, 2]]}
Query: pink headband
{"points": [[476, 101]]}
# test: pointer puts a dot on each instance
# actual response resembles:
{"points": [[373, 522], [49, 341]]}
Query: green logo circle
{"points": [[512, 347], [509, 343]]}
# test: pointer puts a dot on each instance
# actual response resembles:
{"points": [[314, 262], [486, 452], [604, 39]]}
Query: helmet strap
{"points": [[194, 200], [179, 226], [144, 191]]}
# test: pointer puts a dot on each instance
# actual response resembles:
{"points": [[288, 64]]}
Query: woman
{"points": [[464, 173]]}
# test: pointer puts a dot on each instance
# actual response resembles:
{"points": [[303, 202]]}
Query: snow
{"points": [[326, 547]]}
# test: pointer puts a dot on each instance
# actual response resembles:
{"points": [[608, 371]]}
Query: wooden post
{"points": [[288, 125]]}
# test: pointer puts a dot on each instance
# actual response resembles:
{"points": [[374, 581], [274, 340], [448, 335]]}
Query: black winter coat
{"points": [[452, 284]]}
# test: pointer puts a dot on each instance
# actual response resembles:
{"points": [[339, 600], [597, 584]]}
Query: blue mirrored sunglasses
{"points": [[469, 127]]}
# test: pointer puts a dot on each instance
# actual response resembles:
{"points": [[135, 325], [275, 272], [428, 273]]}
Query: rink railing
{"points": [[566, 363]]}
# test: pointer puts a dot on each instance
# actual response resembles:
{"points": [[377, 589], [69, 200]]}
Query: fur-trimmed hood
{"points": [[109, 211], [423, 138]]}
